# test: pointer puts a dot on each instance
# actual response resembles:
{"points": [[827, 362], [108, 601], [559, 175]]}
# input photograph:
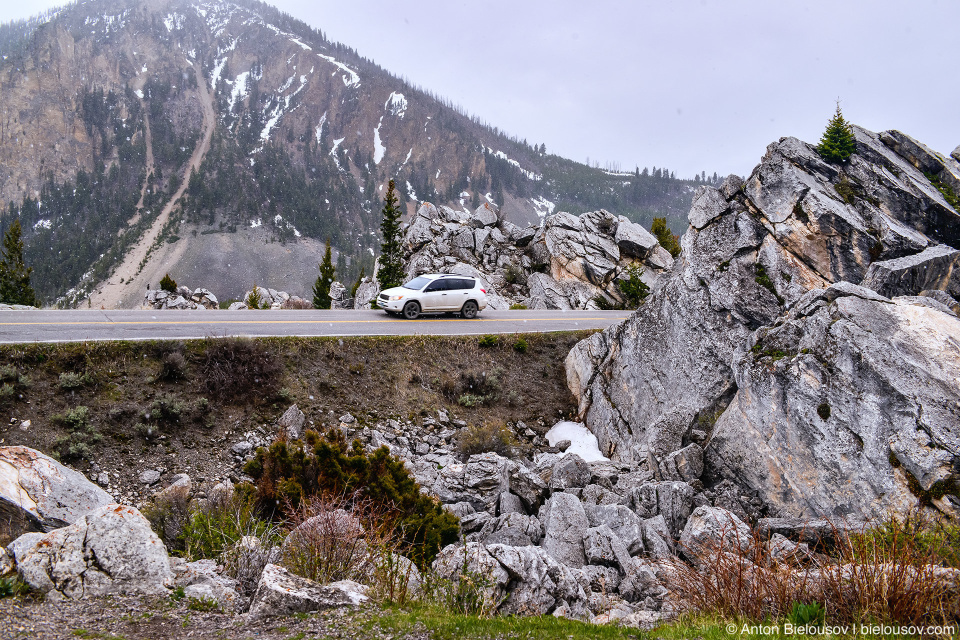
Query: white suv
{"points": [[435, 292]]}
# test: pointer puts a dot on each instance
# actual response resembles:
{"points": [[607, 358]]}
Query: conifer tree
{"points": [[665, 237], [14, 274], [321, 288], [838, 142], [390, 272]]}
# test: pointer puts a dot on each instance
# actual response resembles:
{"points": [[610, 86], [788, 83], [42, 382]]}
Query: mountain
{"points": [[224, 142]]}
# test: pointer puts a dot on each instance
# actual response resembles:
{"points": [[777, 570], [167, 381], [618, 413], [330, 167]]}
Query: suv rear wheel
{"points": [[411, 311], [469, 310]]}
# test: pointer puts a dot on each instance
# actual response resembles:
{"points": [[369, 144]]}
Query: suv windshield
{"points": [[417, 283]]}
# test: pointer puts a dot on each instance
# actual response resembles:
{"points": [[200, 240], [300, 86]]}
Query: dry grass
{"points": [[893, 573]]}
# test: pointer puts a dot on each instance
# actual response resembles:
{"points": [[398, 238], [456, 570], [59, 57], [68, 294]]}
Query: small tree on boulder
{"points": [[168, 284], [838, 142]]}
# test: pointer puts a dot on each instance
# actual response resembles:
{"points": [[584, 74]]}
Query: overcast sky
{"points": [[692, 85]]}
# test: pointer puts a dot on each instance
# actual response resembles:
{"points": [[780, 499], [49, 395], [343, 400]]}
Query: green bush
{"points": [[488, 341], [168, 284], [69, 380], [493, 436], [665, 237], [82, 436], [327, 465], [520, 345], [517, 307], [633, 288]]}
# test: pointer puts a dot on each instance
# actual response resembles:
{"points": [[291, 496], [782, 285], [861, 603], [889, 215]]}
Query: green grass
{"points": [[442, 625]]}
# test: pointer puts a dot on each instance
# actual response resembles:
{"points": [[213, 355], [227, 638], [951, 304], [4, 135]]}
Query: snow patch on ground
{"points": [[256, 223], [174, 21], [411, 192], [584, 443], [407, 159], [333, 152], [239, 88], [42, 224], [396, 104], [378, 149], [323, 121], [350, 77], [139, 93]]}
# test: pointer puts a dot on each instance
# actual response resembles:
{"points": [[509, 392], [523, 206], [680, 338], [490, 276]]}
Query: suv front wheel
{"points": [[469, 310], [411, 311]]}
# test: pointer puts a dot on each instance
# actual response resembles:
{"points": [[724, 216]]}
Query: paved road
{"points": [[72, 326]]}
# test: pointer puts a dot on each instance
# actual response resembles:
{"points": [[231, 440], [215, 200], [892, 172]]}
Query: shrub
{"points": [[488, 341], [12, 586], [216, 527], [168, 284], [492, 436], [173, 367], [203, 604], [823, 410], [255, 300], [517, 306], [328, 466], [166, 409], [514, 275], [633, 288], [69, 380], [237, 367], [81, 437], [888, 574], [665, 237], [169, 513], [470, 400], [520, 345]]}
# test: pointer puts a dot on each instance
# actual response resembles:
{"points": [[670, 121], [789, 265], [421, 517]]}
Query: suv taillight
{"points": [[484, 291]]}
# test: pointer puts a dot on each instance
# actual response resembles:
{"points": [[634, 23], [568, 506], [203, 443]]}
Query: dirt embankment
{"points": [[120, 408]]}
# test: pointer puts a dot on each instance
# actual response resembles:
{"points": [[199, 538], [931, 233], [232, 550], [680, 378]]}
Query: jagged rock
{"points": [[281, 593], [528, 486], [817, 533], [955, 154], [291, 422], [601, 579], [685, 464], [509, 503], [656, 538], [564, 526], [603, 546], [640, 583], [626, 524], [570, 472], [633, 240], [111, 550], [485, 215], [237, 306], [149, 477], [710, 530], [540, 584], [708, 204], [787, 551], [672, 500], [943, 298], [367, 293], [519, 523], [936, 267], [680, 343], [858, 393], [37, 493], [476, 559]]}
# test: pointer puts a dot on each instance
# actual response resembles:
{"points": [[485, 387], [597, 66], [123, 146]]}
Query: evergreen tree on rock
{"points": [[838, 142], [14, 274], [321, 288], [390, 272]]}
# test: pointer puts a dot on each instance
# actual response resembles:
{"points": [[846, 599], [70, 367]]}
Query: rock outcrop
{"points": [[569, 262], [281, 593], [37, 493], [724, 354], [184, 298]]}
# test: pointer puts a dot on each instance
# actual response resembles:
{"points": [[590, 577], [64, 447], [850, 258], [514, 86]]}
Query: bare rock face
{"points": [[111, 550], [842, 405], [653, 387], [37, 493], [281, 593], [567, 263]]}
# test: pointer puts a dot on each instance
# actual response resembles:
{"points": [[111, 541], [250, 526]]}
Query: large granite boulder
{"points": [[936, 267], [109, 551], [564, 524], [847, 408], [37, 493]]}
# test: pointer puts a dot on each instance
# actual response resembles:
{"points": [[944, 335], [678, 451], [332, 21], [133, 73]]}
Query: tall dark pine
{"points": [[14, 274], [838, 142], [390, 272], [321, 288]]}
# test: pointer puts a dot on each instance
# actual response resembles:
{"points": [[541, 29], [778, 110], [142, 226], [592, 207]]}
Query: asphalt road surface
{"points": [[73, 326]]}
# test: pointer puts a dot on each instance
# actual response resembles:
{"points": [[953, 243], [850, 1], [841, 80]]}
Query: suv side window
{"points": [[467, 284], [436, 285]]}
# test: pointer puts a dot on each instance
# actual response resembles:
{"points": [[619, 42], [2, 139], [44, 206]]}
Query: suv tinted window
{"points": [[437, 285], [417, 283], [466, 284]]}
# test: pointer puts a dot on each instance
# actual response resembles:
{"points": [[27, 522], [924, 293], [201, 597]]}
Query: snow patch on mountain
{"points": [[396, 105], [174, 21], [529, 174], [378, 149], [239, 88], [323, 121], [42, 224], [543, 206]]}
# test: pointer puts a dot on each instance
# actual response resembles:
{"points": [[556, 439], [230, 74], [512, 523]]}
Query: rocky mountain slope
{"points": [[806, 340], [206, 132]]}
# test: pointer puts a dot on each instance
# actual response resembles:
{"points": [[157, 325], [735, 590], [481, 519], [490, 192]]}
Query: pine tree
{"points": [[390, 273], [665, 237], [14, 274], [321, 288], [838, 142]]}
